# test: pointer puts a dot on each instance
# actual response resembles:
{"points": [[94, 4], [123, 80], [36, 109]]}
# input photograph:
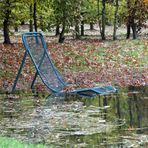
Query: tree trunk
{"points": [[133, 25], [6, 24], [99, 19], [35, 15], [6, 31], [30, 21], [115, 21], [91, 26], [128, 31], [82, 28], [61, 36], [103, 19], [16, 28], [57, 30], [23, 22], [131, 20], [77, 30]]}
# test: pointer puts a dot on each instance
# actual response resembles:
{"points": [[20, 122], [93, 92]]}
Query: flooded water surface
{"points": [[112, 121]]}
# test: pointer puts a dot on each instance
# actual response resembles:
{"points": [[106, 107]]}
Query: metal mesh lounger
{"points": [[36, 48]]}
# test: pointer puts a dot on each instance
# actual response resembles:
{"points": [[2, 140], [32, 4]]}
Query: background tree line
{"points": [[63, 14]]}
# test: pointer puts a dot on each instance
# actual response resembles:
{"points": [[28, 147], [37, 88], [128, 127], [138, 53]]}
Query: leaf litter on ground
{"points": [[84, 62]]}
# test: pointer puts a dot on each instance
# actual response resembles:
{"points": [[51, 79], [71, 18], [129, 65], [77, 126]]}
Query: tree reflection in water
{"points": [[116, 120]]}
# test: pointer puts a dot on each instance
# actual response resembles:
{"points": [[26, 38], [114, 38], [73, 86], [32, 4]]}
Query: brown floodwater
{"points": [[113, 121]]}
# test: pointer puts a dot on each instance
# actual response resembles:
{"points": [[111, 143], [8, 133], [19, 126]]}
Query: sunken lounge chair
{"points": [[53, 80]]}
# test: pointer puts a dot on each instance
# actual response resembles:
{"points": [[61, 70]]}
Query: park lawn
{"points": [[121, 62]]}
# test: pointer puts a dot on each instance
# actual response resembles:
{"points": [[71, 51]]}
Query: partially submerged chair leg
{"points": [[19, 72], [32, 85]]}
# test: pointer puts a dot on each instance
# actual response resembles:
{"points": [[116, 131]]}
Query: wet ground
{"points": [[113, 121]]}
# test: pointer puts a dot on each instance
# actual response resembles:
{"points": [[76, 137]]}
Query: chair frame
{"points": [[81, 92]]}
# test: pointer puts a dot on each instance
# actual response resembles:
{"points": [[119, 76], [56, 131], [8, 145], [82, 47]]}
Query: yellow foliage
{"points": [[146, 1]]}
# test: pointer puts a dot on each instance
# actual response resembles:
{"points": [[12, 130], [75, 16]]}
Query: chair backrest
{"points": [[36, 47]]}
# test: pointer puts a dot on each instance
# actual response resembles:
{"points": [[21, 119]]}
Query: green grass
{"points": [[126, 52], [13, 143]]}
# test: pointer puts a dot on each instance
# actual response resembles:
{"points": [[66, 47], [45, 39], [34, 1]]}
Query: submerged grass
{"points": [[13, 143]]}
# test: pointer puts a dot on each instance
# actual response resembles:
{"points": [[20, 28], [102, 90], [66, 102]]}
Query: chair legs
{"points": [[32, 85], [19, 72]]}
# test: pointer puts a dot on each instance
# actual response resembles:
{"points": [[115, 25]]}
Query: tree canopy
{"points": [[64, 14]]}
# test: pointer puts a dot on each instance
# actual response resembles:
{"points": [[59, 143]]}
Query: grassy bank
{"points": [[13, 143]]}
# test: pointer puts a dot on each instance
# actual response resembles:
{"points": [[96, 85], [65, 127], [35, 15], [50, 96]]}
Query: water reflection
{"points": [[114, 121]]}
